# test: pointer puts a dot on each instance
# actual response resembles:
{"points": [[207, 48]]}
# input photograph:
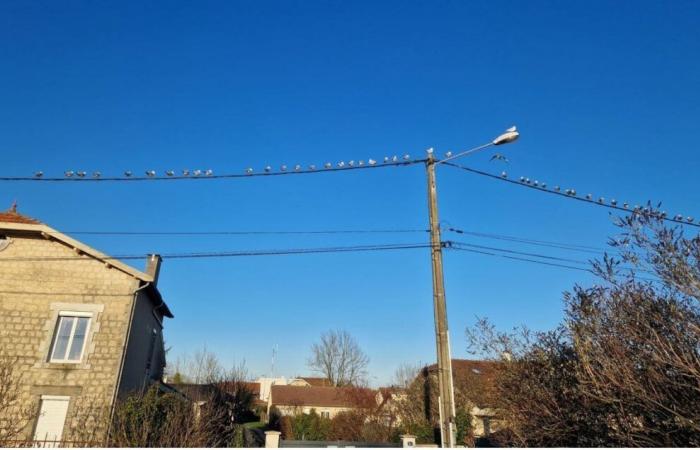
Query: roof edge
{"points": [[47, 230]]}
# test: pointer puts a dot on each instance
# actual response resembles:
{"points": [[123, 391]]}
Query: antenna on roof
{"points": [[274, 354], [13, 208]]}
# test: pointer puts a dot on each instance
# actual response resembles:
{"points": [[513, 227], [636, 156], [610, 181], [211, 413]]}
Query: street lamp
{"points": [[446, 401]]}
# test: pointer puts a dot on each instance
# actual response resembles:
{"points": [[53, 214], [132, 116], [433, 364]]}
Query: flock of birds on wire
{"points": [[209, 172], [197, 173], [601, 200]]}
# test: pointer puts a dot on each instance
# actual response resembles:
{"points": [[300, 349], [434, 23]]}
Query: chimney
{"points": [[153, 267]]}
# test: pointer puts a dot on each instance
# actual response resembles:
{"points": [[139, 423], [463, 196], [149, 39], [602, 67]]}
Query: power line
{"points": [[571, 194], [239, 253], [461, 247], [151, 175], [551, 244], [521, 259], [452, 244], [245, 232]]}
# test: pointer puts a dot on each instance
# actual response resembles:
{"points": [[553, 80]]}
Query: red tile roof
{"points": [[323, 396], [15, 217], [476, 377]]}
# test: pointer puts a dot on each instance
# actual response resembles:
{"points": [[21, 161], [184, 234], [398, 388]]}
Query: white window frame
{"points": [[62, 314]]}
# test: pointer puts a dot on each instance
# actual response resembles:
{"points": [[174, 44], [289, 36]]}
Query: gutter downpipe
{"points": [[123, 358]]}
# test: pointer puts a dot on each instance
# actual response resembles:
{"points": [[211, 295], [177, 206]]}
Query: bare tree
{"points": [[406, 374], [623, 369], [339, 358], [14, 414], [203, 366]]}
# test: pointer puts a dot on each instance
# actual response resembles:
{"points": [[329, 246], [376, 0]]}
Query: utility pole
{"points": [[446, 402]]}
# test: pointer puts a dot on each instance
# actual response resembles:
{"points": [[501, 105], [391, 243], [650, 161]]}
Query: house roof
{"points": [[13, 221], [12, 216], [477, 377], [475, 366], [319, 396], [316, 381]]}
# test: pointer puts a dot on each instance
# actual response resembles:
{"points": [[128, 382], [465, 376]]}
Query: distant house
{"points": [[474, 383], [310, 381], [83, 328], [327, 401]]}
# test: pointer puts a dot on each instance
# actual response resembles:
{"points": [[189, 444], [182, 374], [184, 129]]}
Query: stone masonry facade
{"points": [[39, 277]]}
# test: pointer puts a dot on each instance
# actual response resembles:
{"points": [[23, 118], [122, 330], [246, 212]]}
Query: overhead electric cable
{"points": [[521, 259], [454, 244], [546, 263], [571, 194], [559, 245], [229, 254], [244, 232], [151, 175]]}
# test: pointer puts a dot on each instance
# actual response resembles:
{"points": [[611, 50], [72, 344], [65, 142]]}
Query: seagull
{"points": [[81, 174], [68, 173], [249, 170], [127, 173], [328, 165], [209, 172], [499, 157], [312, 167], [169, 173], [372, 162], [185, 173], [96, 174], [39, 174], [151, 173], [197, 172]]}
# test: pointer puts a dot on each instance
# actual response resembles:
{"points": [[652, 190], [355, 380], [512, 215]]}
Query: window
{"points": [[52, 416], [326, 414], [69, 337]]}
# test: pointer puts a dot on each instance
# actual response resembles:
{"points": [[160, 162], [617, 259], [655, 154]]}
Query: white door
{"points": [[52, 416]]}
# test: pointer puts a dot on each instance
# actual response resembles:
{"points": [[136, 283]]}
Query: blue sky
{"points": [[605, 95]]}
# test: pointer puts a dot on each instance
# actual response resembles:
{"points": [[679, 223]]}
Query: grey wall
{"points": [[145, 354]]}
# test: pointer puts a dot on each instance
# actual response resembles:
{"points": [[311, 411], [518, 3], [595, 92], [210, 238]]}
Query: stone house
{"points": [[82, 329], [327, 401], [474, 386]]}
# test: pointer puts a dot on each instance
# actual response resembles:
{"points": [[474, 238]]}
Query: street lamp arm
{"points": [[510, 135], [465, 153]]}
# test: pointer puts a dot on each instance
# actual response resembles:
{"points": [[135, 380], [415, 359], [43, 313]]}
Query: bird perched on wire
{"points": [[499, 157]]}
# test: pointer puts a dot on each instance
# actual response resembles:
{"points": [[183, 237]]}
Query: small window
{"points": [[69, 338], [326, 414]]}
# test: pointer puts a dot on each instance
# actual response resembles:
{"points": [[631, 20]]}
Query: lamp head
{"points": [[509, 136]]}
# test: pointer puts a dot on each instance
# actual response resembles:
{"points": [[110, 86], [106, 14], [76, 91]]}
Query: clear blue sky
{"points": [[605, 94]]}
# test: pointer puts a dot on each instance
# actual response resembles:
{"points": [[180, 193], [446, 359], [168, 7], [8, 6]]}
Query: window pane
{"points": [[65, 324], [76, 347]]}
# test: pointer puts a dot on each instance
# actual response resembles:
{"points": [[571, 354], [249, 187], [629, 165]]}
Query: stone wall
{"points": [[33, 292]]}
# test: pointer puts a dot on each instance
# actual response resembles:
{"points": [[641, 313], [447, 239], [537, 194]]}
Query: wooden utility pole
{"points": [[446, 401]]}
